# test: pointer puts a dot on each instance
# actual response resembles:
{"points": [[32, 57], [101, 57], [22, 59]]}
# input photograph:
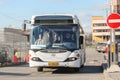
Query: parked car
{"points": [[101, 47]]}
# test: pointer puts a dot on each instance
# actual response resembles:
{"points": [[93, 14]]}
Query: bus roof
{"points": [[54, 17]]}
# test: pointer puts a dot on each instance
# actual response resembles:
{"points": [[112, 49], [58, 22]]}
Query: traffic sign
{"points": [[113, 20]]}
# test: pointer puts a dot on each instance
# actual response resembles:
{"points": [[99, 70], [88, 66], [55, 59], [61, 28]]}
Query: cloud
{"points": [[85, 21], [6, 2], [84, 18], [1, 3]]}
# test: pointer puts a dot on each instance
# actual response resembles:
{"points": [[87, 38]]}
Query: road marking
{"points": [[114, 21]]}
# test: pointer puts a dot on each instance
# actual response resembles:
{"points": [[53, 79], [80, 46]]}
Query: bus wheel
{"points": [[82, 66], [40, 69]]}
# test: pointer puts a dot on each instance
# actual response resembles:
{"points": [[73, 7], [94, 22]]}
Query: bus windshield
{"points": [[54, 36]]}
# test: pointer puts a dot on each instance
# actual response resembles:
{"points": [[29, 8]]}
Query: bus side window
{"points": [[80, 41]]}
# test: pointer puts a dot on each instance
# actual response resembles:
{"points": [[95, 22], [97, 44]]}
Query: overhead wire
{"points": [[10, 17]]}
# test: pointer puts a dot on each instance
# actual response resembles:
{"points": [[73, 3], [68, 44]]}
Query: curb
{"points": [[106, 74], [111, 74]]}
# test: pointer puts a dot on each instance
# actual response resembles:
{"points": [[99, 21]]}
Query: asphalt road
{"points": [[91, 71]]}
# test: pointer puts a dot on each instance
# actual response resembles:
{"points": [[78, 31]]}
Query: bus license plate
{"points": [[53, 63]]}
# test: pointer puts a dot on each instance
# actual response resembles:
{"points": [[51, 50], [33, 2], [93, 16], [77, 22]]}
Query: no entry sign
{"points": [[113, 20]]}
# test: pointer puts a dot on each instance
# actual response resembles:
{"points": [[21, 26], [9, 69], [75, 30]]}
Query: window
{"points": [[99, 24]]}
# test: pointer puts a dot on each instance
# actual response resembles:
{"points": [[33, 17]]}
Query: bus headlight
{"points": [[36, 59], [71, 59]]}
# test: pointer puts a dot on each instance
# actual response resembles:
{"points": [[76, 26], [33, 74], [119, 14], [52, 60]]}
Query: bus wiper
{"points": [[63, 45], [37, 42], [39, 49], [60, 46]]}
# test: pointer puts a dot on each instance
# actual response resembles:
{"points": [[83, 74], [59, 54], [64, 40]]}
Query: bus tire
{"points": [[76, 69], [40, 69], [82, 66]]}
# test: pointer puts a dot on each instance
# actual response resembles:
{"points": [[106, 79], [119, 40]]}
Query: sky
{"points": [[14, 12]]}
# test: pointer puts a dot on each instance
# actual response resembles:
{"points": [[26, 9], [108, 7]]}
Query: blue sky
{"points": [[13, 12]]}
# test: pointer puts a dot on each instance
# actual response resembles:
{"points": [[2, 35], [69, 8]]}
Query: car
{"points": [[101, 47]]}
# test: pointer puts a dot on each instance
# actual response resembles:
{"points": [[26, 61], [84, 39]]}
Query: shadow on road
{"points": [[5, 73], [119, 63], [13, 74], [88, 69], [18, 65], [91, 69]]}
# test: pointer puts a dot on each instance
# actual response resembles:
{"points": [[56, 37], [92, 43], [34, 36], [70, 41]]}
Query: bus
{"points": [[56, 41]]}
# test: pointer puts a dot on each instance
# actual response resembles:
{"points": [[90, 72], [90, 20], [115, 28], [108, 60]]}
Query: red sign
{"points": [[113, 20]]}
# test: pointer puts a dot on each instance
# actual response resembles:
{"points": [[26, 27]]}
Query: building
{"points": [[116, 5], [100, 30], [13, 39]]}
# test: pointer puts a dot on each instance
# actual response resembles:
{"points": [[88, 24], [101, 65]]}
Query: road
{"points": [[91, 71]]}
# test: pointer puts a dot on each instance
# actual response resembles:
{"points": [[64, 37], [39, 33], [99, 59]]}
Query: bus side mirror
{"points": [[24, 27], [80, 41], [24, 24]]}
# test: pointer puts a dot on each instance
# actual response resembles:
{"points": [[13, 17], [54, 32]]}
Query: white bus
{"points": [[57, 40]]}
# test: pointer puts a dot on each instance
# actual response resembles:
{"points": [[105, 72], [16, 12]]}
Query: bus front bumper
{"points": [[77, 63]]}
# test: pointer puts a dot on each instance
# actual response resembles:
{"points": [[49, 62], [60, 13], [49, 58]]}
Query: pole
{"points": [[112, 47], [113, 53], [113, 43], [112, 40]]}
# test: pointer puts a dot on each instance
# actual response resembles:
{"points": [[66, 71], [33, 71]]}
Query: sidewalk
{"points": [[110, 75], [115, 76]]}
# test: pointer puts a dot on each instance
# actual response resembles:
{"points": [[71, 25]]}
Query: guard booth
{"points": [[13, 44]]}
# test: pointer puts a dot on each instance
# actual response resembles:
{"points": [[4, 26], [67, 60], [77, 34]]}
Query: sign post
{"points": [[113, 21]]}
